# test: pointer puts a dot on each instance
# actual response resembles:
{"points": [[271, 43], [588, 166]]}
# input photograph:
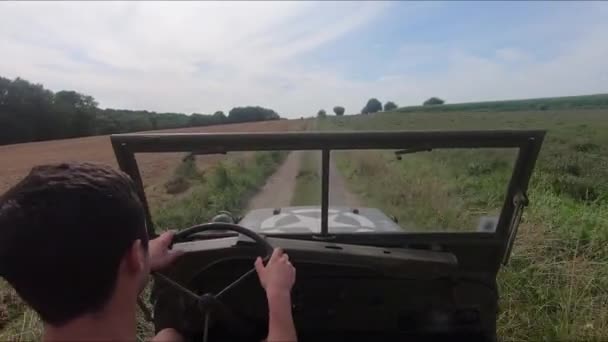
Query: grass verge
{"points": [[183, 176], [226, 186]]}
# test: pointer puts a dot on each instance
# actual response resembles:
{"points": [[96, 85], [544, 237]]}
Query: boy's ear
{"points": [[136, 257]]}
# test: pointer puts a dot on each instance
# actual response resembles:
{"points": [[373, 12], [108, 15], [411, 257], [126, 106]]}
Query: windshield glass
{"points": [[441, 190]]}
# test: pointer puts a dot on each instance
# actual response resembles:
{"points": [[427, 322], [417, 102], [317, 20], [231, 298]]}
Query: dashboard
{"points": [[341, 293]]}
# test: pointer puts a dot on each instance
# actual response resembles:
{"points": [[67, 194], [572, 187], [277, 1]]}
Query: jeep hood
{"points": [[307, 219]]}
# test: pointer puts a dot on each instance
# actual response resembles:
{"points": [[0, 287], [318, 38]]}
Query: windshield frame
{"points": [[528, 143]]}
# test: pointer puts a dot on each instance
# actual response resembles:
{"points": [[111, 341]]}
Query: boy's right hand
{"points": [[278, 276]]}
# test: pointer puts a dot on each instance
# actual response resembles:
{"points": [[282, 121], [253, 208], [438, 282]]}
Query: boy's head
{"points": [[68, 234]]}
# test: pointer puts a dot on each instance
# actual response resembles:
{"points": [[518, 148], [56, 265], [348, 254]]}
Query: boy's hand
{"points": [[278, 276], [160, 254]]}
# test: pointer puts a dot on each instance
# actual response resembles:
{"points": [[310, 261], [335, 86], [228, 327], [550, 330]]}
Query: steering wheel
{"points": [[209, 302]]}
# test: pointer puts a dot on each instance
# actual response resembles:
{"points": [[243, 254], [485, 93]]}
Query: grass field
{"points": [[599, 101], [446, 190], [555, 285]]}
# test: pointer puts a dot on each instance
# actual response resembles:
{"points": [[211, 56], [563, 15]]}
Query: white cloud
{"points": [[204, 56], [511, 55], [189, 56]]}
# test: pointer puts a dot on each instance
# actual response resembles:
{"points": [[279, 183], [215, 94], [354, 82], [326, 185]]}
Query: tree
{"points": [[372, 106], [201, 120], [339, 110], [321, 113], [219, 117], [249, 113], [389, 106], [433, 101], [26, 110], [78, 112], [197, 119], [29, 112]]}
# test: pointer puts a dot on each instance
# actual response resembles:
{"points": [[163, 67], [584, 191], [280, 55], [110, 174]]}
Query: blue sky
{"points": [[478, 27], [299, 57]]}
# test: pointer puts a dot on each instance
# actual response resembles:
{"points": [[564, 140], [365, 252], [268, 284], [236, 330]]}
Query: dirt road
{"points": [[279, 189], [16, 160]]}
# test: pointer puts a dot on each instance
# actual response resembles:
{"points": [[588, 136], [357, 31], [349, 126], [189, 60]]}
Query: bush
{"points": [[574, 164], [321, 113], [250, 113], [572, 169], [339, 110], [307, 174], [221, 178], [389, 106], [372, 106], [585, 147], [219, 116], [433, 101], [177, 185], [578, 188], [277, 156], [185, 171], [484, 167]]}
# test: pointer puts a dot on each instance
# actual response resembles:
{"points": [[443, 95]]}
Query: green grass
{"points": [[17, 321], [598, 101], [438, 190], [308, 180], [20, 323], [555, 286]]}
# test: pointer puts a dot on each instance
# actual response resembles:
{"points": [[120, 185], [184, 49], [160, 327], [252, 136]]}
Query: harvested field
{"points": [[16, 160]]}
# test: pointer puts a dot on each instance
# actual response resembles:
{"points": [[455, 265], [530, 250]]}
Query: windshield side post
{"points": [[519, 201], [517, 198], [128, 164], [324, 192]]}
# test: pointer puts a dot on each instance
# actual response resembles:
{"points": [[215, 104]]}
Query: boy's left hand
{"points": [[160, 254]]}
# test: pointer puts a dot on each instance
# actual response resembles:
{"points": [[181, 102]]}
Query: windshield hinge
{"points": [[520, 200], [324, 237], [399, 153]]}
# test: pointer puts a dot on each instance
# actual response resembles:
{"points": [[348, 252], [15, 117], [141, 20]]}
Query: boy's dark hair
{"points": [[63, 232]]}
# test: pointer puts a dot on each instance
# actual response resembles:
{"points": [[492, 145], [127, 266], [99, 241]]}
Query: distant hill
{"points": [[598, 101]]}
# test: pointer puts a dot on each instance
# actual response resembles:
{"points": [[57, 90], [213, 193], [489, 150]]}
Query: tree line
{"points": [[373, 105], [29, 112]]}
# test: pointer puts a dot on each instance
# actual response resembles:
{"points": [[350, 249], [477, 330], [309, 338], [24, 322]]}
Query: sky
{"points": [[299, 57]]}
